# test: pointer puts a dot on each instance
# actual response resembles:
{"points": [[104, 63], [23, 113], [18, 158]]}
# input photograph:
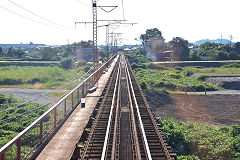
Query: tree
{"points": [[67, 62], [19, 53], [151, 34], [2, 54], [236, 47], [179, 47], [49, 53], [153, 43], [10, 52], [208, 46], [222, 55], [194, 56], [84, 44]]}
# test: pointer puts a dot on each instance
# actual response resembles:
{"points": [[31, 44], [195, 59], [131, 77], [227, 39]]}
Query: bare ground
{"points": [[216, 109], [40, 96]]}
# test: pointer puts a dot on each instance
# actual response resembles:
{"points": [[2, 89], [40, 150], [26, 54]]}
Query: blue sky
{"points": [[191, 19]]}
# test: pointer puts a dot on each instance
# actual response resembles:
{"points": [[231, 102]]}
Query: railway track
{"points": [[124, 127]]}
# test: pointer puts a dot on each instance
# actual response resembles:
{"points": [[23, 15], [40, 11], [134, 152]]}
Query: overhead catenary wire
{"points": [[123, 10], [30, 19], [87, 5], [50, 21]]}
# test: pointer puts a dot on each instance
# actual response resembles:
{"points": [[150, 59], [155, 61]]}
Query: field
{"points": [[38, 77], [195, 141], [15, 116], [179, 78]]}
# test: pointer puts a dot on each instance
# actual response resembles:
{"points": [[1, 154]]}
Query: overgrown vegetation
{"points": [[194, 141], [67, 62], [216, 51], [174, 79], [15, 116], [190, 78], [38, 77]]}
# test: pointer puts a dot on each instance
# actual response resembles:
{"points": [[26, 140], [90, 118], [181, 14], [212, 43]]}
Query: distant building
{"points": [[28, 57], [205, 57], [194, 48], [84, 54]]}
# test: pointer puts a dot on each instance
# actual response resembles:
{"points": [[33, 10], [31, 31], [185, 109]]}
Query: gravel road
{"points": [[40, 96]]}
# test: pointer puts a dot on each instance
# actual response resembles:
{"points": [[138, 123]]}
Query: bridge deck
{"points": [[63, 143]]}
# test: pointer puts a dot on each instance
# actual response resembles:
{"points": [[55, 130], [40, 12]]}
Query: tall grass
{"points": [[191, 140], [174, 79], [47, 77], [213, 70]]}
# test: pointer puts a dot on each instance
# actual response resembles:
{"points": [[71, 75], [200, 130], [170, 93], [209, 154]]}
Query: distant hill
{"points": [[223, 41]]}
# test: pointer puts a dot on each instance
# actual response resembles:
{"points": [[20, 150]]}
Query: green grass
{"points": [[191, 140], [212, 70], [38, 77], [180, 79], [14, 117], [174, 79]]}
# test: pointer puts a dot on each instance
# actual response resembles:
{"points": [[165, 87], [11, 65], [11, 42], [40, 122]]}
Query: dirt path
{"points": [[217, 109], [40, 96]]}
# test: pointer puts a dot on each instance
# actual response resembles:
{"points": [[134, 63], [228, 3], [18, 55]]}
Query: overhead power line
{"points": [[25, 17], [85, 4], [123, 10], [38, 15]]}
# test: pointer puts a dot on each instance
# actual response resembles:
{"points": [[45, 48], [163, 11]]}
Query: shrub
{"points": [[175, 76], [189, 157], [235, 130], [67, 62], [194, 141], [87, 68], [188, 73], [83, 63], [143, 85], [134, 65], [232, 65]]}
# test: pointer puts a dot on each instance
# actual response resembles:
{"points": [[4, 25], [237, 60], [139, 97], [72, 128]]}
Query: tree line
{"points": [[155, 47], [45, 53]]}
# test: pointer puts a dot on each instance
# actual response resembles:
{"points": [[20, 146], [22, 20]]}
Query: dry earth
{"points": [[216, 109], [40, 96]]}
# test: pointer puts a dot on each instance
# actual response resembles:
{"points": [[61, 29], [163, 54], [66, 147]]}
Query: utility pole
{"points": [[231, 38], [94, 12], [107, 41], [114, 41], [95, 26]]}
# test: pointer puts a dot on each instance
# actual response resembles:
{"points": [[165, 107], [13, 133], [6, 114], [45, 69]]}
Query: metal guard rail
{"points": [[28, 143]]}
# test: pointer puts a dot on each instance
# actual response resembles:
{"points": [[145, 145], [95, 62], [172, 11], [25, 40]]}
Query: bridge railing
{"points": [[32, 139]]}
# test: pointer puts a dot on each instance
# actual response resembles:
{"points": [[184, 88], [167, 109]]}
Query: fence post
{"points": [[55, 117], [18, 149], [2, 156], [41, 131], [78, 95], [72, 100], [83, 90]]}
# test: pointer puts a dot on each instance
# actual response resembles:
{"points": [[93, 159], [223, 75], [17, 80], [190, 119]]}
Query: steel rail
{"points": [[116, 118], [155, 126], [110, 117], [137, 147], [98, 115], [139, 116]]}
